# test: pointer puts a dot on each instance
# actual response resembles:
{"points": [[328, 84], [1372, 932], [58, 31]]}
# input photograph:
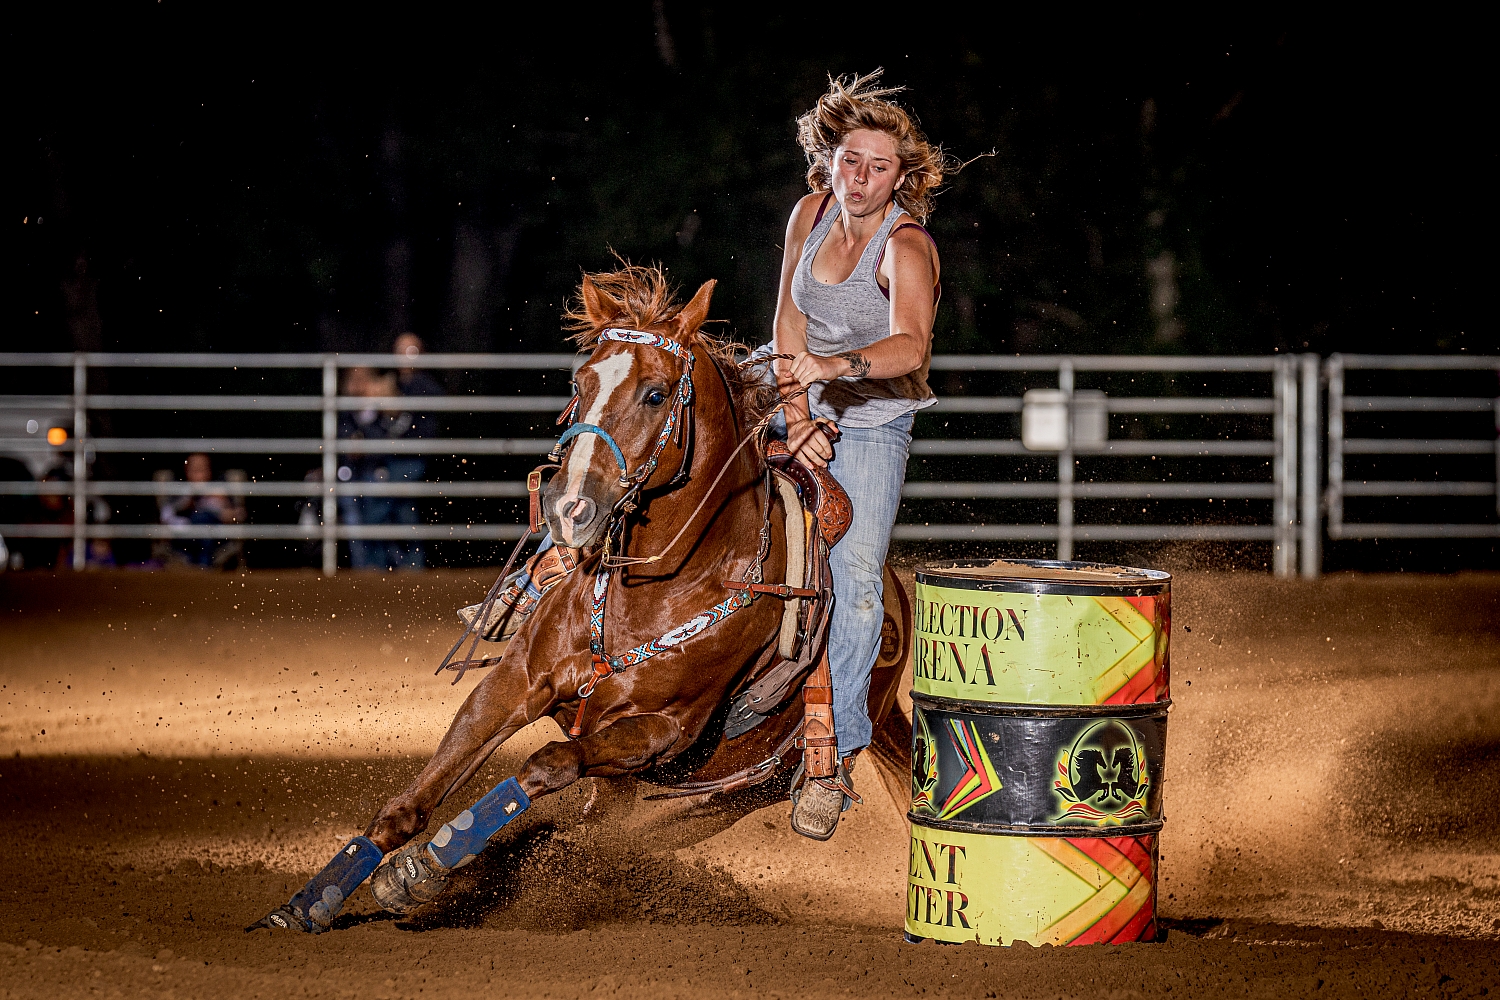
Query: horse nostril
{"points": [[580, 511]]}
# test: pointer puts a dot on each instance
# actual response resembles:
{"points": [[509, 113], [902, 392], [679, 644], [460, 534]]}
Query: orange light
{"points": [[57, 435]]}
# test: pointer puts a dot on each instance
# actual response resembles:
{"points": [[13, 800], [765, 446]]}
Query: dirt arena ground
{"points": [[178, 752]]}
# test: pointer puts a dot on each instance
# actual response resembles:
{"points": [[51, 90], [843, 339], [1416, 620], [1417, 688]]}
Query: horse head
{"points": [[632, 398]]}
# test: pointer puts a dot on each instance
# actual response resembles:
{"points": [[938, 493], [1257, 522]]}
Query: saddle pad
{"points": [[793, 526]]}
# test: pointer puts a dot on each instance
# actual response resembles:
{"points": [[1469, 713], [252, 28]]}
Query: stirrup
{"points": [[509, 610], [841, 783], [843, 780], [517, 600]]}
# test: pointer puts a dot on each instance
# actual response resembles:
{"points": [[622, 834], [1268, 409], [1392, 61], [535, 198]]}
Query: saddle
{"points": [[815, 514]]}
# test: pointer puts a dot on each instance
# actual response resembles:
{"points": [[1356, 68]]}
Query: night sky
{"points": [[280, 181]]}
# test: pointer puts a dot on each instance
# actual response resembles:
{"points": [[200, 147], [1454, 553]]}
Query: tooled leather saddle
{"points": [[815, 514]]}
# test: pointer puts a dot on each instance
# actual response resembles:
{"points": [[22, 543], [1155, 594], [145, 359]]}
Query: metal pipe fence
{"points": [[1338, 369], [327, 446], [1278, 401], [1279, 447]]}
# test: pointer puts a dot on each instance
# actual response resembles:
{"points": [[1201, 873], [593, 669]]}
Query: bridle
{"points": [[679, 418]]}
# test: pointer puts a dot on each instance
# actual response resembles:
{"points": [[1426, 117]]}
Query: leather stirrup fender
{"points": [[820, 752]]}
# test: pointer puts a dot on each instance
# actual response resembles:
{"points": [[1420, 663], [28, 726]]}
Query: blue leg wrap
{"points": [[461, 840], [314, 907]]}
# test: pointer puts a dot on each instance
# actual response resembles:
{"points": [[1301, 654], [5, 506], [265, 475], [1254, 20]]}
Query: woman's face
{"points": [[866, 172]]}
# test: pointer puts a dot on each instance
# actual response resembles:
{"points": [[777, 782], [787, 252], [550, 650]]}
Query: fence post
{"points": [[1065, 470], [1497, 454], [1333, 494], [1284, 469], [330, 466], [1312, 528], [80, 461]]}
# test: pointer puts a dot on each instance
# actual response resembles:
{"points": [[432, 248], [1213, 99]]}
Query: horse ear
{"points": [[695, 312], [600, 307]]}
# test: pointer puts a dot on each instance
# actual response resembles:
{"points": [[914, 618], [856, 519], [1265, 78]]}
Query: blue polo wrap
{"points": [[322, 898], [460, 840]]}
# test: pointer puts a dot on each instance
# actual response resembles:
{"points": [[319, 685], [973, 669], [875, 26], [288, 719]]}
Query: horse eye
{"points": [[655, 397]]}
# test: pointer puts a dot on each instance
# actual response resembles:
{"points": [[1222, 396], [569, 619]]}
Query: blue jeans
{"points": [[371, 554], [870, 464], [201, 551], [412, 554]]}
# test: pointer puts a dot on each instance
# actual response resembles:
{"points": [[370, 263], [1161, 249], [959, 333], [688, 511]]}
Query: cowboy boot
{"points": [[821, 787], [520, 593], [818, 803]]}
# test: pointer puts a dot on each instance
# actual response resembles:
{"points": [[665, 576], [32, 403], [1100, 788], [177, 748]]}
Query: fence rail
{"points": [[1291, 447], [1336, 370]]}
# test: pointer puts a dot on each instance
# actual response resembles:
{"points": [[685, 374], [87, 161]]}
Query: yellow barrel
{"points": [[1039, 731]]}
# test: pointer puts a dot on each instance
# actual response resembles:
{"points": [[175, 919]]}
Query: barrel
{"points": [[1039, 731]]}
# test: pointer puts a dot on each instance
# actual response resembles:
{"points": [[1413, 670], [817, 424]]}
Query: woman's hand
{"points": [[809, 368], [811, 441]]}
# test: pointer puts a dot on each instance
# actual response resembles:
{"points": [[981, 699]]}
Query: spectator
{"points": [[413, 468], [53, 508], [369, 424], [310, 517], [203, 508], [57, 509], [414, 381]]}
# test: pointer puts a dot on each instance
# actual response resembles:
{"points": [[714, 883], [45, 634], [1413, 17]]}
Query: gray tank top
{"points": [[848, 316]]}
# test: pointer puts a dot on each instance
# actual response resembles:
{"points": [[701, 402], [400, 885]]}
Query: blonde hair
{"points": [[859, 102]]}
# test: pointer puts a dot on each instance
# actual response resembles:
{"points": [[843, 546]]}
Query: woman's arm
{"points": [[911, 267], [803, 438]]}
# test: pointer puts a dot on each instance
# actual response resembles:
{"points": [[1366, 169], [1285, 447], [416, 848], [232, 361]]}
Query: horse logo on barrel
{"points": [[1102, 776]]}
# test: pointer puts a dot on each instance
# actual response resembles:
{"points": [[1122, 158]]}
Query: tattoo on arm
{"points": [[859, 365]]}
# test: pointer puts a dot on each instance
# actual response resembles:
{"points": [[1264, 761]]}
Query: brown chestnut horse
{"points": [[633, 474]]}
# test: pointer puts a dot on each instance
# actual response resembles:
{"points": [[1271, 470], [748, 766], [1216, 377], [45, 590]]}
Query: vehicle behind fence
{"points": [[1062, 449]]}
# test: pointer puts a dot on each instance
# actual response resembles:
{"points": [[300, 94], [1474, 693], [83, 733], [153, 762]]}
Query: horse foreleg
{"points": [[419, 873], [619, 748], [497, 708]]}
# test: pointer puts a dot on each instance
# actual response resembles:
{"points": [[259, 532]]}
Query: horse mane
{"points": [[647, 299]]}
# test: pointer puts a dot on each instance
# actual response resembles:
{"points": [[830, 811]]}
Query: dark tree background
{"points": [[273, 180]]}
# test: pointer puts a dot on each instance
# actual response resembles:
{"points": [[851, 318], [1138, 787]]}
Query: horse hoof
{"points": [[407, 880], [283, 918]]}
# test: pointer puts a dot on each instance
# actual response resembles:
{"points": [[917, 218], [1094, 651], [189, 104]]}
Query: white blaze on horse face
{"points": [[611, 372]]}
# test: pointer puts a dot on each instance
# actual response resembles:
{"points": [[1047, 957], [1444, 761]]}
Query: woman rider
{"points": [[859, 287]]}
